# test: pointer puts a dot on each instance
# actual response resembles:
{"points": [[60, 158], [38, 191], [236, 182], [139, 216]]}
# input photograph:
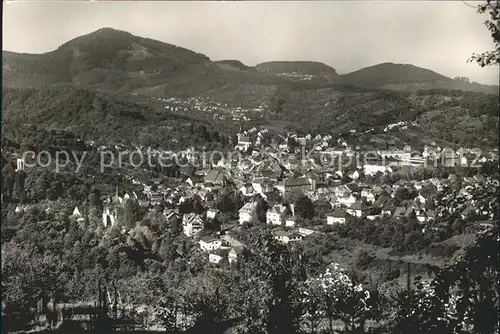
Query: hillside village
{"points": [[147, 188], [280, 186]]}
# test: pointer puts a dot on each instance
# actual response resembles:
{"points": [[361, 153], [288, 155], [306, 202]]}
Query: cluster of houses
{"points": [[431, 154], [296, 76], [279, 169], [207, 106]]}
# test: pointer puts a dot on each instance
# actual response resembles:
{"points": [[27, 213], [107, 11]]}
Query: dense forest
{"points": [[272, 287], [102, 119]]}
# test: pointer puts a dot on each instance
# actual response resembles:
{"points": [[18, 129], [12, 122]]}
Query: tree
{"points": [[28, 276], [8, 180], [322, 208], [414, 241], [130, 214], [261, 210], [363, 259], [20, 180], [269, 288], [341, 299], [304, 207], [175, 224], [492, 7], [463, 297], [229, 201], [167, 249], [312, 299]]}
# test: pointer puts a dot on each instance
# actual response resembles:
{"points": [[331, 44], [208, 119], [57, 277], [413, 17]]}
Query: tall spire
{"points": [[116, 190]]}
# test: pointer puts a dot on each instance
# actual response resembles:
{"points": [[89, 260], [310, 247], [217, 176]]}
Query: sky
{"points": [[346, 35]]}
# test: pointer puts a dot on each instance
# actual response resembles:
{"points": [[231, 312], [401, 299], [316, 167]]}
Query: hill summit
{"points": [[407, 77], [109, 59], [115, 60], [390, 74]]}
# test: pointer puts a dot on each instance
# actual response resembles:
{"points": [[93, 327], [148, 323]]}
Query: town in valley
{"points": [[146, 187]]}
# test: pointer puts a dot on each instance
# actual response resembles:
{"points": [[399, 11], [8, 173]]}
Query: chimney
{"points": [[292, 208]]}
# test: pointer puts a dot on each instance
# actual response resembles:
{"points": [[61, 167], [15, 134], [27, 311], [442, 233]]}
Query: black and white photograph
{"points": [[250, 167]]}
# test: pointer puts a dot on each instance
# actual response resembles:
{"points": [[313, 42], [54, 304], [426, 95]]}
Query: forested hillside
{"points": [[101, 118]]}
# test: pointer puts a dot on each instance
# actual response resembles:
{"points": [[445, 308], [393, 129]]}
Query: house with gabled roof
{"points": [[346, 200], [170, 214], [368, 195], [386, 209], [426, 216], [77, 214], [247, 212], [287, 236], [292, 184], [192, 224], [212, 213], [410, 212], [244, 143], [218, 256], [194, 180], [353, 187], [357, 209], [374, 168], [216, 177], [247, 189], [336, 217], [449, 158], [210, 243], [290, 221], [276, 215], [342, 191]]}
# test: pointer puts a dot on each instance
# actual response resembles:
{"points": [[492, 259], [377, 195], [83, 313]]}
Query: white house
{"points": [[208, 243], [286, 237], [342, 191], [247, 189], [276, 215], [212, 213], [347, 200], [244, 143], [370, 169], [421, 199], [356, 209], [368, 195], [192, 224], [290, 221], [214, 258], [247, 212], [337, 217], [109, 216], [77, 214], [354, 175]]}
